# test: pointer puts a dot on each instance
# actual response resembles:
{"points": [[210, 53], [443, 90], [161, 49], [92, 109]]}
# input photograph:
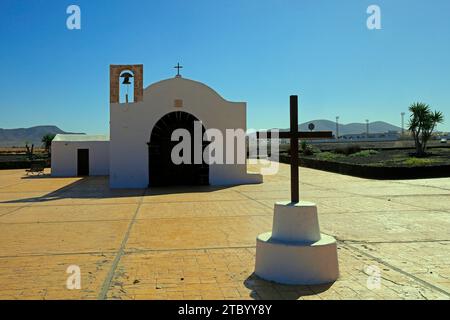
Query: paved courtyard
{"points": [[199, 243]]}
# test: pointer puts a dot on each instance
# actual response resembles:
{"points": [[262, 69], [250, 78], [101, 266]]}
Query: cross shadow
{"points": [[94, 187], [267, 290]]}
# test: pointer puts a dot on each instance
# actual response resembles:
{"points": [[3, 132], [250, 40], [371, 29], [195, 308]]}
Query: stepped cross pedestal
{"points": [[295, 252]]}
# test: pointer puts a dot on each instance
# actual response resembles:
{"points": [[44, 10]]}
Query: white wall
{"points": [[64, 157], [131, 126]]}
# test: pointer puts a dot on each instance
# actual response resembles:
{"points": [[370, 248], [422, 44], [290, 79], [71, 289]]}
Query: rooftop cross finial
{"points": [[178, 67]]}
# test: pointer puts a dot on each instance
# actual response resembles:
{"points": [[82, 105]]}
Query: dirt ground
{"points": [[391, 158]]}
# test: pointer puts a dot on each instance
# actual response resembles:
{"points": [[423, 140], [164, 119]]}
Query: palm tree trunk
{"points": [[419, 148], [417, 143]]}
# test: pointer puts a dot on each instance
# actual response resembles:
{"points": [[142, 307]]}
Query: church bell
{"points": [[126, 77]]}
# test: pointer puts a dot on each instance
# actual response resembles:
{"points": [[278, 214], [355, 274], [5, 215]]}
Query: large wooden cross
{"points": [[294, 135]]}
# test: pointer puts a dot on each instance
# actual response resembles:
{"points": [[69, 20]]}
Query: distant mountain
{"points": [[18, 137], [351, 128]]}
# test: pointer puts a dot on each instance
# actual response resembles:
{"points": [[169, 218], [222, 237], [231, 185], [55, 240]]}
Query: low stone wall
{"points": [[25, 164], [372, 172]]}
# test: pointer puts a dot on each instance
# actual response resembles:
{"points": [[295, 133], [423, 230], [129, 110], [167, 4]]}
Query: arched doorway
{"points": [[162, 170]]}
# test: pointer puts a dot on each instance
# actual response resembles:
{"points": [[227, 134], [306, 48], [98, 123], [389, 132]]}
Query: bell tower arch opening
{"points": [[126, 80]]}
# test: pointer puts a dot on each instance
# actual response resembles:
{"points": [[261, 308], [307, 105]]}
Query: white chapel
{"points": [[137, 151]]}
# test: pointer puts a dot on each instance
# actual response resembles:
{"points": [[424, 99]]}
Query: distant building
{"points": [[442, 135], [385, 136]]}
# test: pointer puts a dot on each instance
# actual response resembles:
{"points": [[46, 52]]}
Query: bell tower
{"points": [[135, 71]]}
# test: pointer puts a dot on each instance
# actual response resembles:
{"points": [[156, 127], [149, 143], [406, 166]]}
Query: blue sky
{"points": [[258, 51]]}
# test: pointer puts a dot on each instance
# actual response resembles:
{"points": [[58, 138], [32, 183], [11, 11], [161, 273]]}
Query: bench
{"points": [[36, 168]]}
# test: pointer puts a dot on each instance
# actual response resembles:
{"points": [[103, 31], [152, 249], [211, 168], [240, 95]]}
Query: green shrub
{"points": [[303, 145], [328, 156], [364, 153], [413, 161], [307, 149]]}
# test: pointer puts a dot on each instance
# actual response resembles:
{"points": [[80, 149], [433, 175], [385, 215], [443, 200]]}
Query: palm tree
{"points": [[47, 142], [422, 123]]}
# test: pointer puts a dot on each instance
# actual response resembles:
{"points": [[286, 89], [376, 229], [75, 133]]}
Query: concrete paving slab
{"points": [[80, 213], [197, 232], [428, 261], [18, 239], [44, 277], [398, 226], [204, 209]]}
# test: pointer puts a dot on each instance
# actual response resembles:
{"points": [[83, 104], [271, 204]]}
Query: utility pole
{"points": [[367, 128], [337, 128], [403, 123]]}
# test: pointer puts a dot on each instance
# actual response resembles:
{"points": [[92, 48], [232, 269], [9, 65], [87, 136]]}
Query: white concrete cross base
{"points": [[295, 252]]}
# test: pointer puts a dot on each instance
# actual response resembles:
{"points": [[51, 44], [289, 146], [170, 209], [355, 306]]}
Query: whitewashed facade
{"points": [[125, 157]]}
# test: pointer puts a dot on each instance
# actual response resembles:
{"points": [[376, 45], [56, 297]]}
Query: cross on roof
{"points": [[178, 67], [294, 135]]}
